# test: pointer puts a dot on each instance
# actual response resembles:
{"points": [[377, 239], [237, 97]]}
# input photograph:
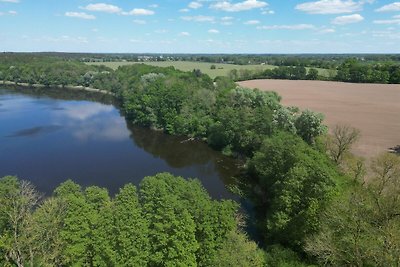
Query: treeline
{"points": [[351, 70], [354, 71], [284, 73], [53, 71], [325, 61]]}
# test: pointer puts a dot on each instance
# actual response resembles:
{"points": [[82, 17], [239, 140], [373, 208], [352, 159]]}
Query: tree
{"points": [[171, 227], [76, 228], [47, 224], [309, 125], [131, 229], [312, 74], [296, 183], [213, 67], [100, 246], [17, 202], [340, 142], [238, 250]]}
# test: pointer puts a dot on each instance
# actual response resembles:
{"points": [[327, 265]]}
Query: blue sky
{"points": [[202, 26]]}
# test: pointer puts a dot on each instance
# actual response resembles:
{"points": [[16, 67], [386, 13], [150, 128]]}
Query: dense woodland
{"points": [[313, 203]]}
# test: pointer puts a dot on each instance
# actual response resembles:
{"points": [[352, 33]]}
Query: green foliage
{"points": [[353, 70], [296, 183], [237, 250], [309, 125], [278, 256], [171, 222], [131, 228], [205, 222], [312, 74]]}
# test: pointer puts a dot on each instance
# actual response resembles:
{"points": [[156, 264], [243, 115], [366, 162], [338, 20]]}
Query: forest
{"points": [[314, 203]]}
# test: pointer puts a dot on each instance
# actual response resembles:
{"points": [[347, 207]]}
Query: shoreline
{"points": [[71, 87]]}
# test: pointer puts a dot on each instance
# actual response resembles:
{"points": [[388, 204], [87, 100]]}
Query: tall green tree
{"points": [[131, 229], [171, 227], [76, 229], [296, 184]]}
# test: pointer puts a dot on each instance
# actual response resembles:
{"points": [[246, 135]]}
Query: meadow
{"points": [[204, 67]]}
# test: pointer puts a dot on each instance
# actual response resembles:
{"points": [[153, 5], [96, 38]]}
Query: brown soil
{"points": [[372, 108]]}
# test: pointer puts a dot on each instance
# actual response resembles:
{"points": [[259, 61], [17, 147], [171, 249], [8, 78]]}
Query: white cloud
{"points": [[199, 18], [268, 12], [81, 15], [390, 7], [184, 34], [12, 12], [139, 21], [324, 31], [183, 10], [287, 27], [227, 21], [331, 6], [227, 18], [388, 21], [101, 7], [195, 5], [153, 6], [251, 22], [140, 12], [214, 31], [342, 20], [241, 6], [10, 1]]}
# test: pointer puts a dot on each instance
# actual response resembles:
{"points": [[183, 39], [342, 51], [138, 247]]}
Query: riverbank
{"points": [[71, 87]]}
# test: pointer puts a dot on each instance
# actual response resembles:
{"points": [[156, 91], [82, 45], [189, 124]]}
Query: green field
{"points": [[221, 69]]}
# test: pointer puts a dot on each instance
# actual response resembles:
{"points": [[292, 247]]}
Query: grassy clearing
{"points": [[221, 69]]}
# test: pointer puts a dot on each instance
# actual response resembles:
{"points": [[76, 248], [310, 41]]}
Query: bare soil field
{"points": [[372, 108]]}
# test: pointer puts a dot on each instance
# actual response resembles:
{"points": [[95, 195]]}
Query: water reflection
{"points": [[34, 131], [85, 111], [92, 143], [178, 152]]}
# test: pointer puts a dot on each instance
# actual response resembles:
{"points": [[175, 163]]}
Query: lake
{"points": [[50, 135]]}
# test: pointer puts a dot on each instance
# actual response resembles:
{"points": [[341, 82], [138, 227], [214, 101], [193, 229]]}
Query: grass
{"points": [[221, 69]]}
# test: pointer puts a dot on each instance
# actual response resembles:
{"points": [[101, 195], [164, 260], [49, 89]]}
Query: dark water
{"points": [[48, 136]]}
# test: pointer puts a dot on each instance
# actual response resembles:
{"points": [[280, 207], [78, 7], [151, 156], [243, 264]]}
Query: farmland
{"points": [[220, 70], [372, 108]]}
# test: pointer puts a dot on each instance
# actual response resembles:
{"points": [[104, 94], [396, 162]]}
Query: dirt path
{"points": [[372, 108]]}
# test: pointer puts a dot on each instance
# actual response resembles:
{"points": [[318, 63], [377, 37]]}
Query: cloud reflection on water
{"points": [[84, 111], [93, 121]]}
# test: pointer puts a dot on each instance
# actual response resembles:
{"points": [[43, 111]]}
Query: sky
{"points": [[202, 26]]}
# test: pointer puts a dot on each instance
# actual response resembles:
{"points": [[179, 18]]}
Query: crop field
{"points": [[220, 70], [372, 108]]}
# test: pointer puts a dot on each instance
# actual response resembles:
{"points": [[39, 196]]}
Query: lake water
{"points": [[50, 135]]}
